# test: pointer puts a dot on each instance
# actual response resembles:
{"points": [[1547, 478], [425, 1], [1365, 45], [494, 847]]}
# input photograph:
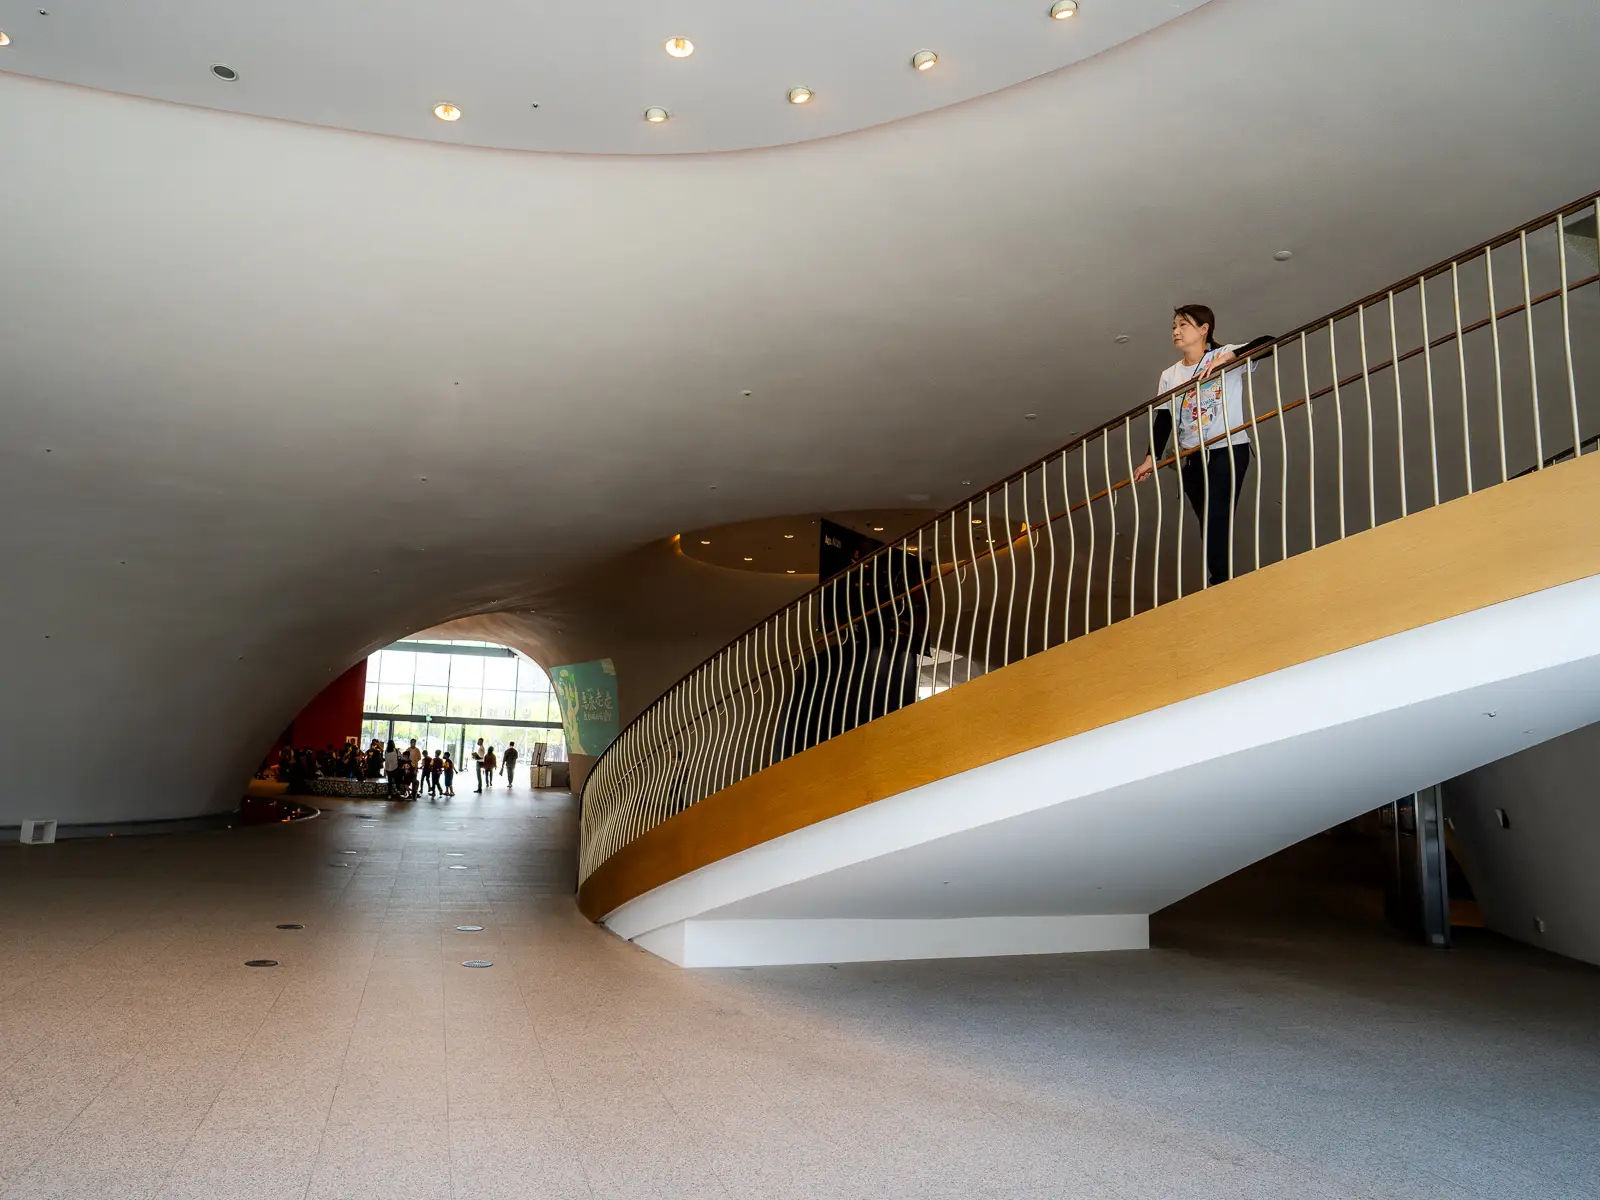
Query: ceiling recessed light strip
{"points": [[924, 60], [447, 112], [1063, 10], [679, 47], [656, 115]]}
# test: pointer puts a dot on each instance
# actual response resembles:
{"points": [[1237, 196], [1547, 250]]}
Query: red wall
{"points": [[335, 713]]}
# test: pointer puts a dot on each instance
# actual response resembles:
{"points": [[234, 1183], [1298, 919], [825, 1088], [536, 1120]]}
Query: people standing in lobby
{"points": [[391, 768], [449, 770], [435, 770], [1212, 477], [477, 762], [509, 763], [486, 772]]}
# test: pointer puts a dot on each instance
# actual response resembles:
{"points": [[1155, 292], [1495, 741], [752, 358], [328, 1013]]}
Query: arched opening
{"points": [[447, 693]]}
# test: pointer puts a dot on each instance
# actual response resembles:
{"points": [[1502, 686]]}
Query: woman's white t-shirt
{"points": [[1215, 406]]}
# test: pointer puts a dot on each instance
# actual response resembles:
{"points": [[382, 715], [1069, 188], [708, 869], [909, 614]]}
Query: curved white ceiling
{"points": [[274, 395], [592, 69]]}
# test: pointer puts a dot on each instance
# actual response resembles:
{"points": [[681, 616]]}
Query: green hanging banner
{"points": [[588, 696]]}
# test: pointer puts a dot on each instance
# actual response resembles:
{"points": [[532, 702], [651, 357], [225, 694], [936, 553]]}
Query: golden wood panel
{"points": [[1511, 540]]}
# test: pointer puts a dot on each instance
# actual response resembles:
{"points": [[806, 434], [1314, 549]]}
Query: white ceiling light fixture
{"points": [[800, 95], [656, 114], [924, 60], [1283, 256], [1063, 10], [679, 47], [5, 38], [221, 70], [447, 112]]}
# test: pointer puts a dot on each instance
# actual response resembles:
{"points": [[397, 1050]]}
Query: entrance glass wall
{"points": [[448, 694]]}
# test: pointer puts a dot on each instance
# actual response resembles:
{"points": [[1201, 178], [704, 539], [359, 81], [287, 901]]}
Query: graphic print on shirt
{"points": [[1200, 406]]}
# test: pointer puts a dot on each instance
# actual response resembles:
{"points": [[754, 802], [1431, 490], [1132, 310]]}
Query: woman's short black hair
{"points": [[1200, 314]]}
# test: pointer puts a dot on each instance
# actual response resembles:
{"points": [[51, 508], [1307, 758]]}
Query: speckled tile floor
{"points": [[1285, 1055]]}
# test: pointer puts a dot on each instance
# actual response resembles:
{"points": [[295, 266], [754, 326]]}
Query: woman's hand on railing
{"points": [[1217, 363], [1144, 470]]}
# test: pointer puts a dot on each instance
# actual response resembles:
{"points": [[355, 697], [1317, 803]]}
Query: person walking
{"points": [[508, 763], [1214, 460], [449, 769], [415, 755], [488, 767], [391, 768], [477, 762], [435, 769]]}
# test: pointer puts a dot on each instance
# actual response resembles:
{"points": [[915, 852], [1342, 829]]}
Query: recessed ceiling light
{"points": [[1030, 416], [800, 95], [224, 72], [656, 115], [705, 542], [791, 571], [747, 558], [1283, 255], [679, 47], [447, 112], [5, 39], [1062, 10], [877, 529], [1122, 339], [789, 535], [924, 60]]}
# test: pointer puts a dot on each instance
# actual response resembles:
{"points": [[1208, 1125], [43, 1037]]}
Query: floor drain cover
{"points": [[469, 928], [262, 962], [477, 962], [291, 926], [456, 867]]}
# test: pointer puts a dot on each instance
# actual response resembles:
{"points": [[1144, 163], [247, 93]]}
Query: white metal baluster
{"points": [[1566, 337], [1427, 360], [1533, 369], [857, 678], [994, 571], [1155, 478], [1088, 574], [1111, 510], [911, 620], [816, 674], [1311, 433], [938, 569], [1133, 555], [704, 718], [719, 741], [1072, 552], [1233, 468], [1177, 468], [1399, 406], [1011, 561], [784, 688], [1255, 445], [738, 743], [835, 709], [925, 590], [1366, 391], [1050, 532], [1461, 364], [877, 651], [977, 591], [760, 666], [1283, 452], [1033, 562], [895, 614], [1499, 382], [1338, 417], [774, 688], [1204, 451]]}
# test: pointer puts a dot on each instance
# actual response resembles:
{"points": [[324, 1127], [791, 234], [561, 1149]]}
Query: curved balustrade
{"points": [[1348, 430]]}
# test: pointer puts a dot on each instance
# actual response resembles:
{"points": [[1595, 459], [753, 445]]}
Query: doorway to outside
{"points": [[449, 693]]}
